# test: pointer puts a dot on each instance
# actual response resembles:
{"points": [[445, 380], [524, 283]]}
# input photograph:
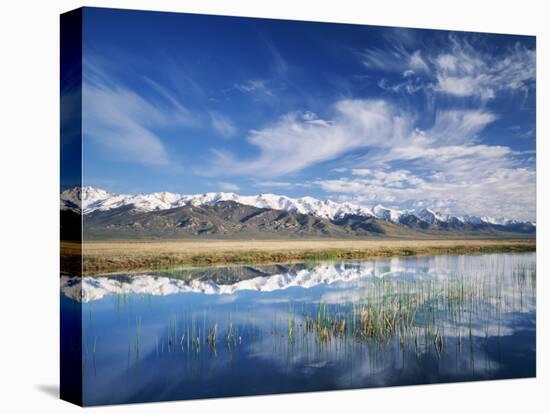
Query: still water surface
{"points": [[252, 330]]}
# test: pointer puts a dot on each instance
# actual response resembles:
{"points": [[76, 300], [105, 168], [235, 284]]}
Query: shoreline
{"points": [[140, 256]]}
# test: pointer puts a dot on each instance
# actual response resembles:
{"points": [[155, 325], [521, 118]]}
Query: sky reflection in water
{"points": [[246, 331]]}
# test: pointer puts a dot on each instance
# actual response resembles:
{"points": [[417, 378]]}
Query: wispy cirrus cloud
{"points": [[444, 166], [254, 86], [504, 192], [466, 71], [226, 186], [410, 85], [282, 184], [413, 68], [457, 68], [417, 62], [123, 123], [222, 124], [297, 141], [394, 58], [272, 81]]}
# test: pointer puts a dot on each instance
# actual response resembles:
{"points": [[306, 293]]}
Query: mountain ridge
{"points": [[232, 220], [90, 199]]}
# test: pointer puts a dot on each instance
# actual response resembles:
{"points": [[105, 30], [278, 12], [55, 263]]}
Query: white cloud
{"points": [[225, 186], [463, 86], [410, 85], [459, 125], [356, 171], [446, 61], [222, 125], [169, 96], [394, 58], [505, 192], [388, 179], [458, 69], [417, 62], [282, 184], [446, 169], [122, 123], [445, 166], [309, 116], [254, 86], [466, 71], [292, 143], [112, 119]]}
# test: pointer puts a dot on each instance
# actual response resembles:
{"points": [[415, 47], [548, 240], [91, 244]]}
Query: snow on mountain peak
{"points": [[92, 199], [430, 216], [389, 214]]}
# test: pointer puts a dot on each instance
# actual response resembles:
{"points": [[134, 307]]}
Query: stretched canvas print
{"points": [[255, 206]]}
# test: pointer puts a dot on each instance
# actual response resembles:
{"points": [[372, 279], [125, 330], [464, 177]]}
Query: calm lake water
{"points": [[262, 330]]}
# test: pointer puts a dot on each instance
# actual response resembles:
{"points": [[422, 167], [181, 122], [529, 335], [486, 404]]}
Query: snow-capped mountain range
{"points": [[88, 289], [91, 199], [345, 278]]}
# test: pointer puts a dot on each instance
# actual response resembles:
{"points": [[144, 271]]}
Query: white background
{"points": [[29, 201]]}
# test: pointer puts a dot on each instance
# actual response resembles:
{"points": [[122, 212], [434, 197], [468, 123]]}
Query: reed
{"points": [[420, 315]]}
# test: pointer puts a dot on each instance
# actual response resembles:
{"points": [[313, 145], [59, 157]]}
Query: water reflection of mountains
{"points": [[231, 280]]}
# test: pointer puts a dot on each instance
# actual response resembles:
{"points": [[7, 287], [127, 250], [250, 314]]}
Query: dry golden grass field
{"points": [[128, 256]]}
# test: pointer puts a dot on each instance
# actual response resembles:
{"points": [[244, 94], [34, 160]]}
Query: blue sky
{"points": [[400, 117]]}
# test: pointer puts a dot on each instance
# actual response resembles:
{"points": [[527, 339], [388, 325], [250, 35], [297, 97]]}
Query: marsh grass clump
{"points": [[415, 314], [427, 313], [211, 339]]}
